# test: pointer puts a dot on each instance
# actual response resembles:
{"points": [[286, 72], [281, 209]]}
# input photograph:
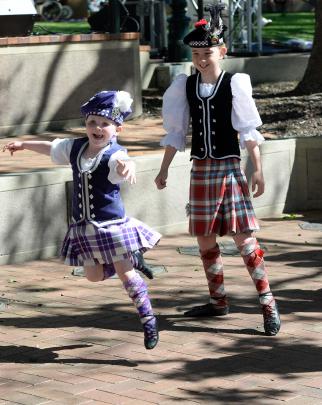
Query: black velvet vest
{"points": [[213, 135]]}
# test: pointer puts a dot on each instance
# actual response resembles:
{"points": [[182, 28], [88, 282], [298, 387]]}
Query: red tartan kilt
{"points": [[219, 199]]}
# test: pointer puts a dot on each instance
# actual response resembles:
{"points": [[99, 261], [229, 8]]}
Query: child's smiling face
{"points": [[100, 130], [207, 59]]}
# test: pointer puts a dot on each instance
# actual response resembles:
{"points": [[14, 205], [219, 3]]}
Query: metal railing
{"points": [[243, 19], [151, 15], [245, 26]]}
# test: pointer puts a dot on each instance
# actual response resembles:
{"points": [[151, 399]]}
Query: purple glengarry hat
{"points": [[114, 105], [208, 34]]}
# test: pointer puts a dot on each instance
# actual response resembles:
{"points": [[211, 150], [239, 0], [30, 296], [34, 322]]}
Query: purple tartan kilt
{"points": [[219, 199], [87, 244]]}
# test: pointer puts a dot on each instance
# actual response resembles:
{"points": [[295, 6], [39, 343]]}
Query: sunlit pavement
{"points": [[68, 341]]}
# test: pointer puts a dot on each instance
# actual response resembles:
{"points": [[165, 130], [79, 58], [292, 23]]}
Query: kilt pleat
{"points": [[220, 201], [87, 244]]}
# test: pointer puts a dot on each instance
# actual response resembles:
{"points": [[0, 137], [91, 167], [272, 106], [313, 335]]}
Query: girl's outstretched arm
{"points": [[258, 183], [42, 147]]}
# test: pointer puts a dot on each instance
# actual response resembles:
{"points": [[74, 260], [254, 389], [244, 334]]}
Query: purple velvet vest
{"points": [[95, 198]]}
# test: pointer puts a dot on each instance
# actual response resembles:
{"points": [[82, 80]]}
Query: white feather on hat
{"points": [[123, 101]]}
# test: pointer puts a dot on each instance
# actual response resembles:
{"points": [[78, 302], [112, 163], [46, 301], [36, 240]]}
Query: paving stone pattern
{"points": [[66, 341]]}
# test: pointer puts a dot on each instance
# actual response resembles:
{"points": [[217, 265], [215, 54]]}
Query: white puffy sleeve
{"points": [[244, 116], [113, 176], [176, 114], [60, 150]]}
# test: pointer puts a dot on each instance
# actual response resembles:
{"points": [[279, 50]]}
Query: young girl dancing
{"points": [[101, 237]]}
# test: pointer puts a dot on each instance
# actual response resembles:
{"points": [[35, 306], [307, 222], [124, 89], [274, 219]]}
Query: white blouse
{"points": [[60, 154], [176, 114]]}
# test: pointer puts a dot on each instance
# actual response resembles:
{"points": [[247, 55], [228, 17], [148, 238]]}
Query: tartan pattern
{"points": [[87, 244], [253, 259], [214, 269], [138, 292], [219, 199]]}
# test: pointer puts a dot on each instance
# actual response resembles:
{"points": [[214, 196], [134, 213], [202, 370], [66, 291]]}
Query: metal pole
{"points": [[152, 25], [178, 28], [115, 19], [163, 20], [200, 9], [259, 26], [249, 25], [230, 26], [141, 13]]}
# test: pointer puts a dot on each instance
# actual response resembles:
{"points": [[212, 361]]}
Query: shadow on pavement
{"points": [[28, 354]]}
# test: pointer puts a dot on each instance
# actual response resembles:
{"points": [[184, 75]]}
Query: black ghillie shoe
{"points": [[139, 264], [147, 272], [151, 334], [207, 310], [272, 320]]}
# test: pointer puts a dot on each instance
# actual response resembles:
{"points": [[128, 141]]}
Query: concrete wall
{"points": [[43, 85], [293, 176], [273, 68], [33, 214], [34, 206]]}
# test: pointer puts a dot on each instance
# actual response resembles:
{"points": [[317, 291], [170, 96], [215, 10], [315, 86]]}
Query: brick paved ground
{"points": [[67, 341]]}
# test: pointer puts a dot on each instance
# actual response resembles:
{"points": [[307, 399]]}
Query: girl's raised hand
{"points": [[13, 147], [126, 169]]}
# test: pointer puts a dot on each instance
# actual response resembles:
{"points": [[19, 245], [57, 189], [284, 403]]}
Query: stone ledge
{"points": [[53, 39], [67, 73], [38, 203], [274, 68]]}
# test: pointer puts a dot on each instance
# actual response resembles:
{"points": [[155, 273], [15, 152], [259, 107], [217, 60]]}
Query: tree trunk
{"points": [[312, 79]]}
